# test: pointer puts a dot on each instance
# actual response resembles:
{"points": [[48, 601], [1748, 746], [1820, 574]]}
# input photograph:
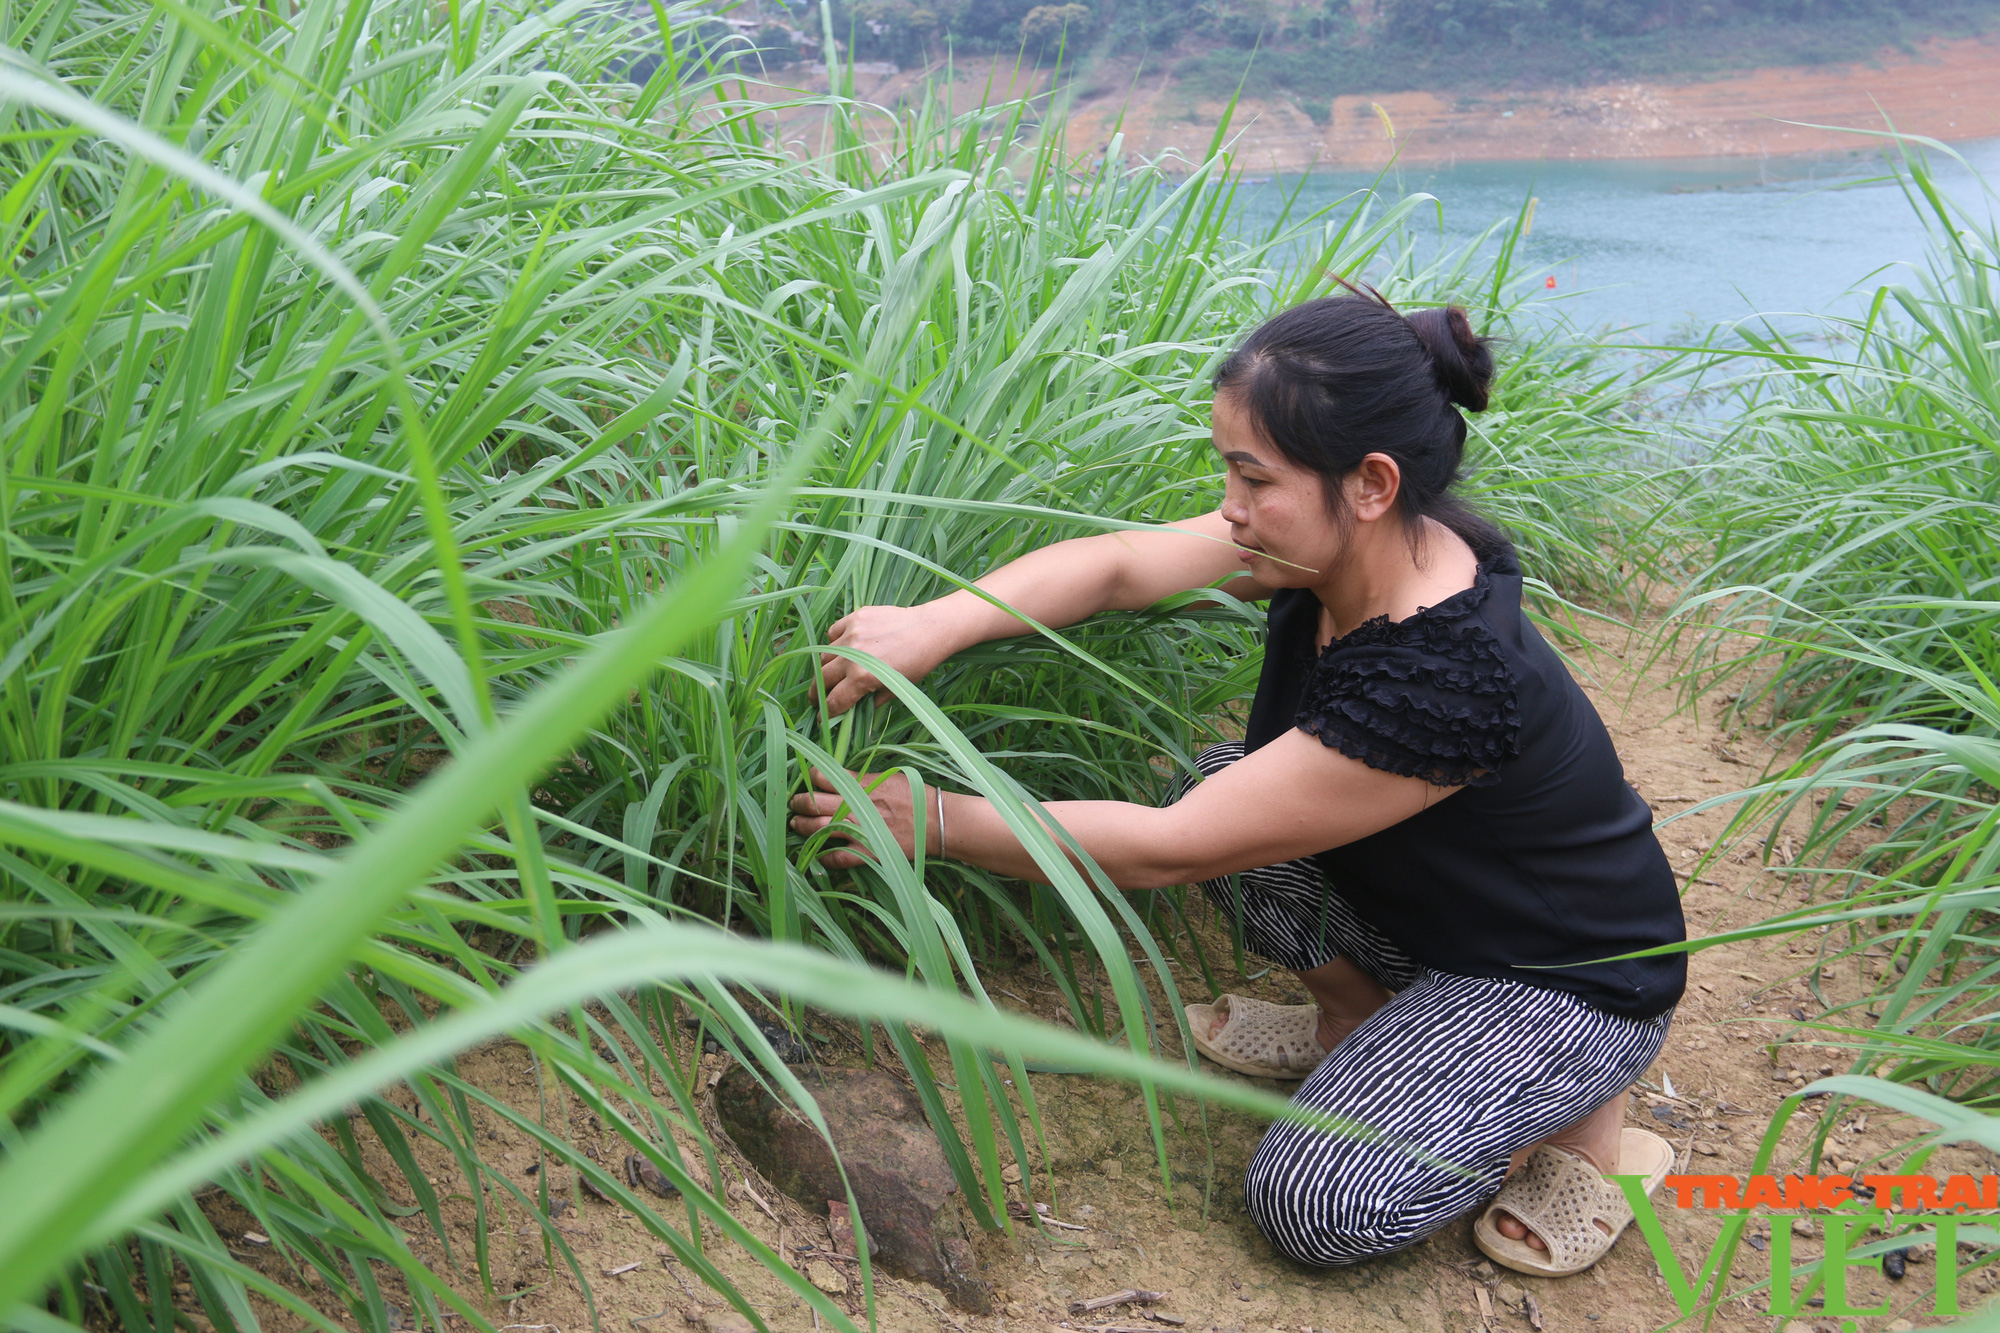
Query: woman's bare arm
{"points": [[1293, 797], [1057, 585]]}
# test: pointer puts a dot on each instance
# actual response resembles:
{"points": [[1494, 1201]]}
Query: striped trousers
{"points": [[1450, 1077]]}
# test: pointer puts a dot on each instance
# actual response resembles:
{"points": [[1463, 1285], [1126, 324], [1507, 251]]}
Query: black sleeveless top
{"points": [[1545, 858]]}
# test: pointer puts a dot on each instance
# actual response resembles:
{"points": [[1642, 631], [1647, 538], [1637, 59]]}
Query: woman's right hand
{"points": [[912, 639]]}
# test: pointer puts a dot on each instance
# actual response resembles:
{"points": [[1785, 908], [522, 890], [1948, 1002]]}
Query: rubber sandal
{"points": [[1561, 1198], [1259, 1039]]}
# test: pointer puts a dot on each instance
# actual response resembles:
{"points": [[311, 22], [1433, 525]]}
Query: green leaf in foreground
{"points": [[83, 1157]]}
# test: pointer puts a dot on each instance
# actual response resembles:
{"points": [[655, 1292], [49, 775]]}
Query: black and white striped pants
{"points": [[1453, 1075]]}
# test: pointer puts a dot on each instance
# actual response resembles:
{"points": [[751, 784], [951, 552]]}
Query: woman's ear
{"points": [[1372, 487]]}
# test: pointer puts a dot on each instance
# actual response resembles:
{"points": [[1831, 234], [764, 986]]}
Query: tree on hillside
{"points": [[902, 31], [1458, 22], [911, 32], [994, 22], [1050, 30]]}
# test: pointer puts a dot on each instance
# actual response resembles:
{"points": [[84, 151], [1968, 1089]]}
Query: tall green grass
{"points": [[1841, 519], [429, 470]]}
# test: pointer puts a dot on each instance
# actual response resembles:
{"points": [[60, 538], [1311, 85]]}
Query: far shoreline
{"points": [[1949, 90], [1780, 168]]}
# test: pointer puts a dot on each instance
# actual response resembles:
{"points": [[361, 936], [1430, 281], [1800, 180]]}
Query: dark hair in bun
{"points": [[1459, 357], [1333, 380]]}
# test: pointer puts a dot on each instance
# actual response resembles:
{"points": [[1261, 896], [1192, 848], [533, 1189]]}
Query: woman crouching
{"points": [[1425, 819]]}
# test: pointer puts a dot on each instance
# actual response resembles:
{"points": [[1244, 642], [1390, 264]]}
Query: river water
{"points": [[1668, 247]]}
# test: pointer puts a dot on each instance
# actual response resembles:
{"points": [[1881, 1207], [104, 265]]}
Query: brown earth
{"points": [[1949, 90], [1729, 1060]]}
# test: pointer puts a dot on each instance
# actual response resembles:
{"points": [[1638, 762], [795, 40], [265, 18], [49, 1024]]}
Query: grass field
{"points": [[1846, 590], [430, 468]]}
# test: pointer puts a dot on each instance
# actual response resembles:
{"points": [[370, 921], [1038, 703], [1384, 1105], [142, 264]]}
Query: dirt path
{"points": [[1727, 1059]]}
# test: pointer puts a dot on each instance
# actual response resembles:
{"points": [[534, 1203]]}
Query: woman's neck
{"points": [[1383, 573]]}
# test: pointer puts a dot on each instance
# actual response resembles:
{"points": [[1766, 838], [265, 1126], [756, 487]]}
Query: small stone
{"points": [[1011, 1173], [1016, 1310], [826, 1277], [1900, 1326], [1706, 1149], [640, 1172], [725, 1321], [1510, 1294], [1801, 1227], [1112, 1168], [1483, 1271], [1782, 1076]]}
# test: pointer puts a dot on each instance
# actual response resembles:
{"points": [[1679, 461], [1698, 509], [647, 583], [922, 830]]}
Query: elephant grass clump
{"points": [[430, 468]]}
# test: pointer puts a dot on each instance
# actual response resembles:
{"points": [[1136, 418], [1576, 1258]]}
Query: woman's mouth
{"points": [[1246, 552]]}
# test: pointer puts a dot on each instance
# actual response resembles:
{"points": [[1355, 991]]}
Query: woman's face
{"points": [[1274, 507]]}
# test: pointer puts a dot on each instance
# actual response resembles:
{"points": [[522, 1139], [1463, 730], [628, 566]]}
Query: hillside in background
{"points": [[1317, 50], [1132, 101]]}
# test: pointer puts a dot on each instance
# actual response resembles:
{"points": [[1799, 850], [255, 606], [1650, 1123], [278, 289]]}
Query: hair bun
{"points": [[1460, 358]]}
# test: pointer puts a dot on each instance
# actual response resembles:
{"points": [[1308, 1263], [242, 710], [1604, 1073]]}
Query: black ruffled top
{"points": [[1429, 697], [1542, 863]]}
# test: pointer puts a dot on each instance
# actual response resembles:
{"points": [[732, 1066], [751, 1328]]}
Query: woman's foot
{"points": [[1287, 1041], [1256, 1037], [1565, 1214], [1594, 1138], [1346, 997], [1331, 1031]]}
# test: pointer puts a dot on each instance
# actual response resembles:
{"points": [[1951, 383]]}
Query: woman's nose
{"points": [[1233, 509]]}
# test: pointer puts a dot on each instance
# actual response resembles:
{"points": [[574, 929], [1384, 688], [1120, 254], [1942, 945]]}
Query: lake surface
{"points": [[1674, 244]]}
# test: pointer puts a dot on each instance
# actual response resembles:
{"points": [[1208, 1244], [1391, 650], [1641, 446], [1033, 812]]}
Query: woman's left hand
{"points": [[893, 798]]}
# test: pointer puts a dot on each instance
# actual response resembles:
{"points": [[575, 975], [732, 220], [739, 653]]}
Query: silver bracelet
{"points": [[940, 803]]}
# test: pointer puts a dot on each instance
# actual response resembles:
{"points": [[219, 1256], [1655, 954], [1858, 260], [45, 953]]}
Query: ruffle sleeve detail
{"points": [[1430, 697]]}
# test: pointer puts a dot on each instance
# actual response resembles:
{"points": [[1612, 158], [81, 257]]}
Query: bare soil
{"points": [[1736, 1048]]}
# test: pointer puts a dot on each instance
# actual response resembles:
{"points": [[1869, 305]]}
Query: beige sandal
{"points": [[1259, 1039], [1561, 1198]]}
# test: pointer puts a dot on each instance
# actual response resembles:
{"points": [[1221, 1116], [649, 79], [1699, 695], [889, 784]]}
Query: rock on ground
{"points": [[905, 1192]]}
